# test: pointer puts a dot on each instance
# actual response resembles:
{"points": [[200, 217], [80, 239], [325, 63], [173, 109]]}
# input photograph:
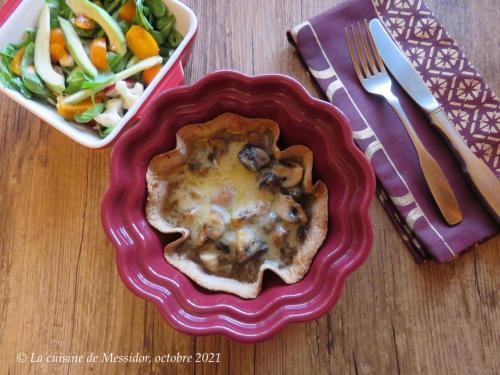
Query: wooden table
{"points": [[60, 291]]}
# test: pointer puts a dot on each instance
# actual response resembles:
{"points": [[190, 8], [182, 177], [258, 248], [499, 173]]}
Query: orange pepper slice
{"points": [[84, 23], [57, 36], [127, 11], [141, 42], [57, 52], [57, 47], [69, 111], [98, 53], [15, 64], [149, 74]]}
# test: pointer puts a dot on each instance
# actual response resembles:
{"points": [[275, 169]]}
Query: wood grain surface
{"points": [[60, 291]]}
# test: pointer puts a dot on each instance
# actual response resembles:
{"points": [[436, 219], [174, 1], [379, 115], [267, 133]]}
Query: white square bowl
{"points": [[22, 15]]}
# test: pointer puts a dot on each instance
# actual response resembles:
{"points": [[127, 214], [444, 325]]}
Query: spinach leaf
{"points": [[29, 56], [157, 36], [34, 84], [54, 12], [18, 85], [141, 12], [111, 5], [7, 77], [9, 51], [10, 81], [5, 70], [169, 27], [165, 23], [90, 113], [166, 52], [104, 131], [100, 34], [88, 34], [29, 37], [64, 10], [149, 12], [124, 25], [58, 8], [114, 60], [102, 80], [157, 7], [174, 39], [75, 80], [4, 80], [117, 63]]}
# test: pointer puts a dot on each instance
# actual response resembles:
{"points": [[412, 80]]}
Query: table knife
{"points": [[480, 175]]}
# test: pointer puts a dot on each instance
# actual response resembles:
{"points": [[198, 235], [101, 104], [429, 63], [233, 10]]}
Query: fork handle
{"points": [[434, 176], [480, 175]]}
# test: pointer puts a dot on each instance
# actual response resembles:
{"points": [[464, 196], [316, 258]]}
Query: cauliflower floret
{"points": [[129, 95], [112, 115]]}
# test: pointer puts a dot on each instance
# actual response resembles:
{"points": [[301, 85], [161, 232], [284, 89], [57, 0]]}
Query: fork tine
{"points": [[367, 49], [374, 49], [353, 56], [361, 55]]}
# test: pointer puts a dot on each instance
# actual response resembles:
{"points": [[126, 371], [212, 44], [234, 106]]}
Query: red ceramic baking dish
{"points": [[302, 120]]}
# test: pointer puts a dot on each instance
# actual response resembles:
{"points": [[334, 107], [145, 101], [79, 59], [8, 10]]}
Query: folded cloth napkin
{"points": [[471, 105]]}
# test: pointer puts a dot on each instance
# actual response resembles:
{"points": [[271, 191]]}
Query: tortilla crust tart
{"points": [[263, 133]]}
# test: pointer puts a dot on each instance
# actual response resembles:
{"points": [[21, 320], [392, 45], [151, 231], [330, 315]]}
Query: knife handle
{"points": [[438, 184], [480, 175]]}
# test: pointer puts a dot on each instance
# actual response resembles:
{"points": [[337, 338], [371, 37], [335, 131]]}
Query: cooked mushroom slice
{"points": [[287, 253], [302, 232], [217, 147], [215, 225], [224, 197], [290, 175], [200, 166], [249, 245], [289, 210], [260, 208], [200, 236], [296, 193], [279, 234], [210, 260], [203, 158], [268, 178], [245, 238], [253, 157], [268, 222], [223, 247], [189, 214]]}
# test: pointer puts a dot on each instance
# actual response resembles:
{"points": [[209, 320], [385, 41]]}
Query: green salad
{"points": [[91, 59]]}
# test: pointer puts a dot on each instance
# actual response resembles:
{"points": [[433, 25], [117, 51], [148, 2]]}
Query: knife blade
{"points": [[401, 68], [480, 175]]}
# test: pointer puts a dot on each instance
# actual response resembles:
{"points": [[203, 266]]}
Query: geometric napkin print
{"points": [[470, 104]]}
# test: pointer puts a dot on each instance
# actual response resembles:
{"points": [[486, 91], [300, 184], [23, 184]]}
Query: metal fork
{"points": [[374, 78]]}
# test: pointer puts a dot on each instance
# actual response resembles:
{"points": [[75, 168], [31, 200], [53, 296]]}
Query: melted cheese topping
{"points": [[228, 176], [220, 202]]}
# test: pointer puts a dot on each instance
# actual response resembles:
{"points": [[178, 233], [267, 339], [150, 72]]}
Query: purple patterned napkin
{"points": [[471, 105]]}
